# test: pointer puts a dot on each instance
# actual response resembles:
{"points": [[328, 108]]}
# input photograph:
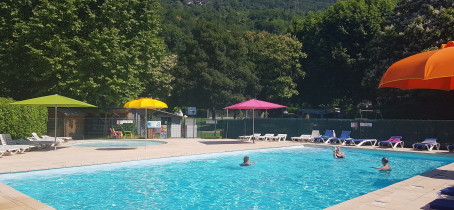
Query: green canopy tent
{"points": [[53, 101]]}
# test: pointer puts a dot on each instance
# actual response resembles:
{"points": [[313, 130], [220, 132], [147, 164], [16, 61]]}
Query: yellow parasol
{"points": [[145, 103]]}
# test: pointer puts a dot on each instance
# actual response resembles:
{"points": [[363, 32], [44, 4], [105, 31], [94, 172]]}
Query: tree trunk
{"points": [[213, 114]]}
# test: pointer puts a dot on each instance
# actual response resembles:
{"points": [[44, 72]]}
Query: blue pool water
{"points": [[293, 177], [117, 143]]}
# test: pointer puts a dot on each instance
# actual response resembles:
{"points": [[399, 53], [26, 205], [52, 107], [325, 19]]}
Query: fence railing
{"points": [[98, 128]]}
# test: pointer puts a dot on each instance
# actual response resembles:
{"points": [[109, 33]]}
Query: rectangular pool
{"points": [[291, 177]]}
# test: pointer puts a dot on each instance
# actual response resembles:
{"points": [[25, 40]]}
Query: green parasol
{"points": [[53, 101]]}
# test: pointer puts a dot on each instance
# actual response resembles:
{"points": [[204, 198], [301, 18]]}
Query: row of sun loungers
{"points": [[266, 137], [9, 146], [344, 139]]}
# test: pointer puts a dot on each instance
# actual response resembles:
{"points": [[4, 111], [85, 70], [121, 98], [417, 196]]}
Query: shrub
{"points": [[21, 121]]}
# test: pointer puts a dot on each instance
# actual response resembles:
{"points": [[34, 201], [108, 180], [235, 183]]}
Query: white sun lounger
{"points": [[279, 137], [6, 140], [264, 137], [8, 150], [248, 137], [45, 138], [315, 133], [359, 142]]}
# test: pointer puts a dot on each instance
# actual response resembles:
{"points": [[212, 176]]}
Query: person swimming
{"points": [[337, 153], [246, 161], [385, 166]]}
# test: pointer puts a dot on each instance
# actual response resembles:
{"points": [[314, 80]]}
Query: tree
{"points": [[336, 42], [276, 59], [413, 27], [213, 70], [102, 52]]}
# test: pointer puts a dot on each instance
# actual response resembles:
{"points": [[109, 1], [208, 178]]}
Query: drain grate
{"points": [[418, 187], [379, 203]]}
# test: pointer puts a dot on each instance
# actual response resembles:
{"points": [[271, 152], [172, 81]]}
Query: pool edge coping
{"points": [[360, 202]]}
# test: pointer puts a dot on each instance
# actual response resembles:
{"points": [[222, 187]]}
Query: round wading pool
{"points": [[118, 143]]}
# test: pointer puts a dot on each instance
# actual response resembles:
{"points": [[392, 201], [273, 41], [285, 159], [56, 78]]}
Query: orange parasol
{"points": [[427, 70]]}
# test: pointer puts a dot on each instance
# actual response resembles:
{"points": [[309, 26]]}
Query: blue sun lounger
{"points": [[359, 142], [328, 135], [451, 148], [446, 193], [344, 136], [441, 204], [429, 144]]}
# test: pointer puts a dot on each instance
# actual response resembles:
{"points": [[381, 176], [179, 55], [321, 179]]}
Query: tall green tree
{"points": [[414, 26], [277, 63], [337, 45], [213, 70], [102, 52]]}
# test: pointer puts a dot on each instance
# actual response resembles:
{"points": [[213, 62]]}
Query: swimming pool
{"points": [[117, 143], [292, 177]]}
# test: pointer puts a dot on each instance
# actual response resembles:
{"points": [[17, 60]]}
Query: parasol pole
{"points": [[146, 127], [253, 126], [55, 141]]}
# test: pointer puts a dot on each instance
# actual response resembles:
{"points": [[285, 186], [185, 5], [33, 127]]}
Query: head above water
{"points": [[246, 159], [384, 160]]}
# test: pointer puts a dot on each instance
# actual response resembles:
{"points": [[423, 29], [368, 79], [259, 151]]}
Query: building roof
{"points": [[164, 112]]}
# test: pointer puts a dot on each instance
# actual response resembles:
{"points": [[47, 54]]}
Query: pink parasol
{"points": [[254, 104]]}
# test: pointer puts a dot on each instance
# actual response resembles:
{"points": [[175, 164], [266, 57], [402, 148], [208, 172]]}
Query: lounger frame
{"points": [[429, 144], [360, 142]]}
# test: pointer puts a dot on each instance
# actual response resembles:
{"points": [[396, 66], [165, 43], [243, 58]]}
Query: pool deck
{"points": [[413, 193]]}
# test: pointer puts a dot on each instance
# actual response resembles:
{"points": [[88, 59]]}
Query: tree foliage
{"points": [[213, 69], [84, 49], [337, 44], [277, 63]]}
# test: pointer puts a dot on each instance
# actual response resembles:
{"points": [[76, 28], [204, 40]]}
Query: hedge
{"points": [[21, 121]]}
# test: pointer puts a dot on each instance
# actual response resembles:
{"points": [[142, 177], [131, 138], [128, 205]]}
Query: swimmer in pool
{"points": [[385, 166], [338, 153], [246, 161]]}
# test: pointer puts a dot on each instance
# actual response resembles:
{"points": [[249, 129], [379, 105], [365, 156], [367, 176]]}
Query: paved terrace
{"points": [[412, 193]]}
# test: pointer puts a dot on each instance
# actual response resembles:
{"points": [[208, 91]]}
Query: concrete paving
{"points": [[412, 193]]}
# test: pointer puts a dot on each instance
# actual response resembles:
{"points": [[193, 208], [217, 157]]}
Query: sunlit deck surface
{"points": [[413, 193]]}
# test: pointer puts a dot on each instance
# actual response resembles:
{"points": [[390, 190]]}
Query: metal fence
{"points": [[412, 131], [99, 128]]}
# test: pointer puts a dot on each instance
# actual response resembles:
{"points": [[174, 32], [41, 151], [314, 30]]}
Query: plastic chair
{"points": [[115, 133]]}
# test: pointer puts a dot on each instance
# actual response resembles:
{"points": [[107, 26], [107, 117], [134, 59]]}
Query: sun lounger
{"points": [[2, 151], [47, 138], [451, 148], [328, 135], [279, 137], [24, 146], [264, 137], [6, 142], [429, 144], [440, 204], [248, 137], [344, 136], [359, 142], [61, 139], [315, 133], [393, 142], [8, 150], [447, 193]]}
